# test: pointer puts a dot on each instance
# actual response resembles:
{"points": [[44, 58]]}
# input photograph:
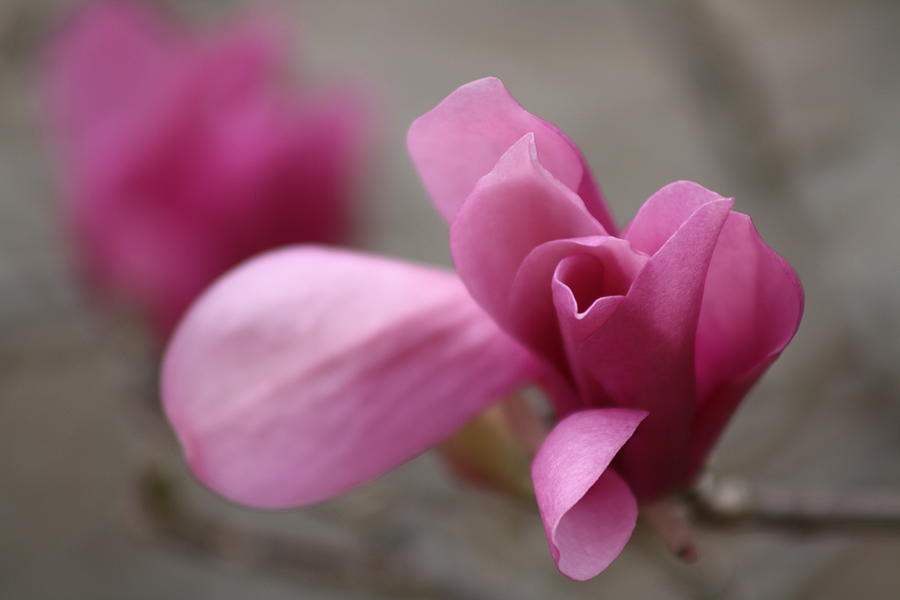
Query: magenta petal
{"points": [[643, 354], [532, 314], [587, 289], [664, 212], [515, 208], [100, 45], [751, 309], [600, 272], [184, 153], [459, 141], [308, 371], [587, 510]]}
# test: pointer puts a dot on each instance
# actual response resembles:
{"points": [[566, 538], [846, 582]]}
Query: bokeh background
{"points": [[792, 107]]}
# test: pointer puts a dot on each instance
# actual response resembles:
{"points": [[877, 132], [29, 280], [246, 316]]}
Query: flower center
{"points": [[590, 278]]}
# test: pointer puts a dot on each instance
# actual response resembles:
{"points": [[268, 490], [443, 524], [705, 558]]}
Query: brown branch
{"points": [[735, 503], [370, 566]]}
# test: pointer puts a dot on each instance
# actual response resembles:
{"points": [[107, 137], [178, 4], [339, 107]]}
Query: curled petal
{"points": [[587, 510], [459, 141], [751, 309], [516, 207], [610, 265], [586, 283], [307, 371]]}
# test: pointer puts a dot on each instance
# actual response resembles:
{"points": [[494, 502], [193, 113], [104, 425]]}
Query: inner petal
{"points": [[589, 278]]}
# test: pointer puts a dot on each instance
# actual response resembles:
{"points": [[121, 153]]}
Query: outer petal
{"points": [[308, 371], [643, 354], [751, 309], [587, 510], [460, 140], [516, 207]]}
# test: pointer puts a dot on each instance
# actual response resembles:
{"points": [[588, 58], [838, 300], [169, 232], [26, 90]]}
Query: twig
{"points": [[735, 503]]}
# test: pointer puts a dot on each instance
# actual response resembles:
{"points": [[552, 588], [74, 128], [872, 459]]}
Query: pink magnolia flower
{"points": [[308, 371], [184, 153]]}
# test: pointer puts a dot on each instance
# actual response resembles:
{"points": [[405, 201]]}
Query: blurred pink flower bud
{"points": [[182, 153], [308, 371]]}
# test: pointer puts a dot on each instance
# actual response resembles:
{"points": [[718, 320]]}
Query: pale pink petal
{"points": [[459, 141], [515, 208], [308, 371], [751, 309], [643, 354], [587, 510], [664, 212]]}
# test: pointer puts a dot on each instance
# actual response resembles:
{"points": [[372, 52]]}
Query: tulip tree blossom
{"points": [[183, 153], [308, 371]]}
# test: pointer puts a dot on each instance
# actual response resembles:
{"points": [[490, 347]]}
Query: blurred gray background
{"points": [[792, 107]]}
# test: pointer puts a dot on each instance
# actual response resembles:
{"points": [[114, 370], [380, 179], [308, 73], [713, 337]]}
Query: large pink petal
{"points": [[308, 371], [459, 141], [587, 510], [515, 208], [751, 309], [643, 354]]}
